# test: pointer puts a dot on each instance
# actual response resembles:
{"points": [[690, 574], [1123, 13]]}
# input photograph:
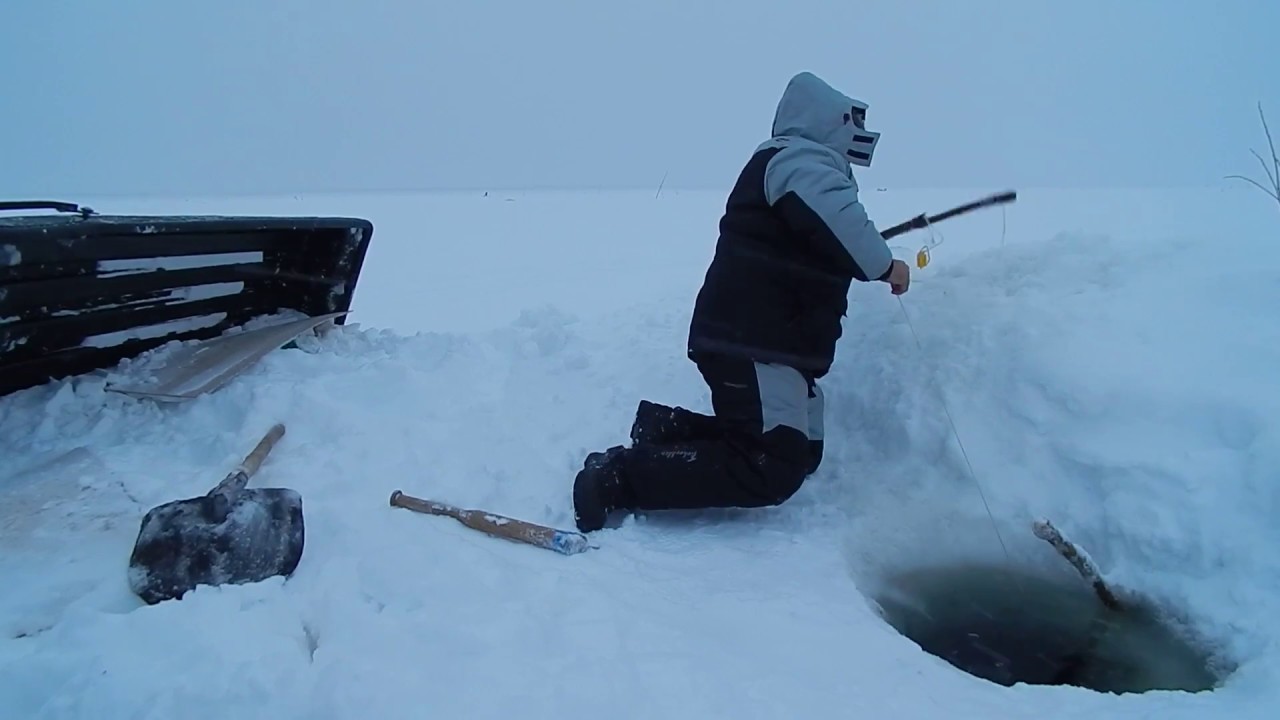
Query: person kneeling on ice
{"points": [[793, 237]]}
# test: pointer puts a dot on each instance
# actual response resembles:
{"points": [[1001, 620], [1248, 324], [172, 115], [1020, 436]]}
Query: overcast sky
{"points": [[234, 96]]}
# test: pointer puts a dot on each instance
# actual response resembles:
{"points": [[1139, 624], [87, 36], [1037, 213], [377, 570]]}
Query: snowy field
{"points": [[1109, 358]]}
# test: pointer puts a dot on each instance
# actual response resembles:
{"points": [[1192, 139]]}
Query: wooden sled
{"points": [[80, 292]]}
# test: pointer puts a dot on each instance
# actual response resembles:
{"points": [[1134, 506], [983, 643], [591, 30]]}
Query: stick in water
{"points": [[500, 526], [1074, 555]]}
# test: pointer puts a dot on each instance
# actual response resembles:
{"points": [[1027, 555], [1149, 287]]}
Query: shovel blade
{"points": [[209, 540]]}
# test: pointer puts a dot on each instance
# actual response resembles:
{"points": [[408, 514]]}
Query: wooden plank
{"points": [[203, 367]]}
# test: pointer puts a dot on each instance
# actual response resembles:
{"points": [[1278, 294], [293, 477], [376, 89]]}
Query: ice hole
{"points": [[1012, 627]]}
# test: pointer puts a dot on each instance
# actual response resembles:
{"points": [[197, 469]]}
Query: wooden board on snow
{"points": [[204, 366]]}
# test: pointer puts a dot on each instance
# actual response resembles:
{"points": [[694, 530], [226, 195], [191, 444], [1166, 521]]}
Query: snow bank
{"points": [[1123, 389], [1120, 383]]}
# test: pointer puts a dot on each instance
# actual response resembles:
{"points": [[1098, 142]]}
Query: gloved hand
{"points": [[899, 277]]}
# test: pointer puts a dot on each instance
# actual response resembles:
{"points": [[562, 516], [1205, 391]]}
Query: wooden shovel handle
{"points": [[254, 459], [235, 481], [499, 526]]}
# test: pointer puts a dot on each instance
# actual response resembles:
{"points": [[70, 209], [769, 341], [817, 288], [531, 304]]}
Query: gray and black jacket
{"points": [[793, 237]]}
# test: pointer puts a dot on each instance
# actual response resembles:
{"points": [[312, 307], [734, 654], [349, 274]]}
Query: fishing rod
{"points": [[923, 220]]}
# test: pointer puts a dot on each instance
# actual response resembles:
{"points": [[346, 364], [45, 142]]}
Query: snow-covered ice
{"points": [[1108, 357]]}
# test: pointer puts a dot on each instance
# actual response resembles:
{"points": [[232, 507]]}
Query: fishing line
{"points": [[922, 259], [955, 433]]}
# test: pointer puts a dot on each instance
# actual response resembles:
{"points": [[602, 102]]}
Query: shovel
{"points": [[230, 535]]}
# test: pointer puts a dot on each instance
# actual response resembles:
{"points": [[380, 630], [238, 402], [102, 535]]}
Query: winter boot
{"points": [[657, 424], [600, 488]]}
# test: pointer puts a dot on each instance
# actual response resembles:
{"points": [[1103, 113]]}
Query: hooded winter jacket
{"points": [[793, 237]]}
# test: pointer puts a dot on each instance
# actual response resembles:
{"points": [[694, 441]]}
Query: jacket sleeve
{"points": [[820, 200]]}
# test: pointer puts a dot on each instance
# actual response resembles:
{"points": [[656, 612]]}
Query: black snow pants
{"points": [[764, 440]]}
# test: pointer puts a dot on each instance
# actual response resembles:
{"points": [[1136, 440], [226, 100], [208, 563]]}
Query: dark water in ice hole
{"points": [[1010, 627]]}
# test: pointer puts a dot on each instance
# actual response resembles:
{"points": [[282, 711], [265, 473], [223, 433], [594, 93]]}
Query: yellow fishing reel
{"points": [[922, 255]]}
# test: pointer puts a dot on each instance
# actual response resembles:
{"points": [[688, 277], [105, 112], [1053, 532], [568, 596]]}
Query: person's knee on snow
{"points": [[815, 457], [784, 464], [738, 469], [786, 407]]}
